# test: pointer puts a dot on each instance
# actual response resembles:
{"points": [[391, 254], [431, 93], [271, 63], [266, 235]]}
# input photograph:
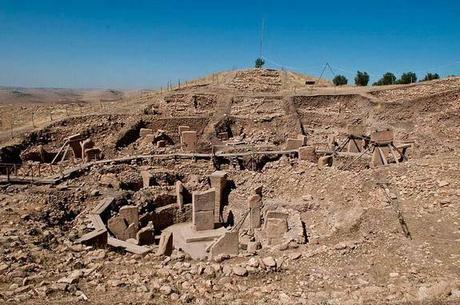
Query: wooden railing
{"points": [[29, 170]]}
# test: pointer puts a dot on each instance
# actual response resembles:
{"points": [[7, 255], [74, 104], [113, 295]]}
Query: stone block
{"points": [[146, 235], [292, 144], [189, 141], [308, 153], [223, 136], [117, 226], [110, 180], [203, 201], [227, 244], [203, 220], [356, 130], [130, 232], [165, 247], [325, 161], [383, 137], [92, 154], [303, 138], [161, 143], [131, 214], [275, 228], [96, 238], [145, 131]]}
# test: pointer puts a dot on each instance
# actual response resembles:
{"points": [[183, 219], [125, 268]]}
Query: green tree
{"points": [[361, 78], [407, 78], [430, 76], [387, 79], [260, 62], [340, 80]]}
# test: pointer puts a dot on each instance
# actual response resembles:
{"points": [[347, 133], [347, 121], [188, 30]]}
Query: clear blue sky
{"points": [[143, 44]]}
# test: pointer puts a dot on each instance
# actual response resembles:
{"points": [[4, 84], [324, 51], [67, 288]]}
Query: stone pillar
{"points": [[131, 214], [76, 148], [165, 247], [203, 210], [74, 143], [86, 144], [146, 178], [255, 211], [180, 195], [219, 183]]}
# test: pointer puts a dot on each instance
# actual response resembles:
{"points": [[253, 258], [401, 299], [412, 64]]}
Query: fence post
{"points": [[11, 126], [33, 119]]}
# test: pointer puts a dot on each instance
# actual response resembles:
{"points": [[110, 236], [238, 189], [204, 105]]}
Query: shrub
{"points": [[387, 79], [361, 78], [430, 76], [340, 80], [407, 78], [260, 62]]}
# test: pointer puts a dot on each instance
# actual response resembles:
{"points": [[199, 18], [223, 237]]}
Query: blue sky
{"points": [[143, 44]]}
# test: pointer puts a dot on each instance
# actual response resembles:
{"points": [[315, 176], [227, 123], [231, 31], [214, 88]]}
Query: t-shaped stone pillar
{"points": [[218, 183]]}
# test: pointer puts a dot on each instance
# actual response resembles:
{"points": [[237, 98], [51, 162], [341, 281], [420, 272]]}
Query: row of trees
{"points": [[362, 79]]}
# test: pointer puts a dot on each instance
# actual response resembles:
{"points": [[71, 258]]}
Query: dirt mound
{"points": [[419, 90]]}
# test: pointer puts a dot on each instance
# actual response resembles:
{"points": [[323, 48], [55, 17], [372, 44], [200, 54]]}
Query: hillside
{"points": [[330, 226]]}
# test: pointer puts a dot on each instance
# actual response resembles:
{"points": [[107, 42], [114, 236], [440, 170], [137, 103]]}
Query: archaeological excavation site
{"points": [[254, 186]]}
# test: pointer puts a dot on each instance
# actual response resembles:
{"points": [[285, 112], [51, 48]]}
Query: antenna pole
{"points": [[262, 38]]}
